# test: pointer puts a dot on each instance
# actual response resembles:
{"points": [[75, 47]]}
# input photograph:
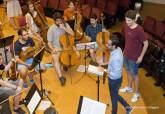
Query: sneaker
{"points": [[129, 110], [31, 81], [25, 85], [135, 97], [62, 81], [19, 111], [126, 89]]}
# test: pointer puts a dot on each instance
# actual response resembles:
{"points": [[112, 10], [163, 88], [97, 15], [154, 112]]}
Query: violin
{"points": [[27, 53], [68, 57], [102, 53], [14, 74]]}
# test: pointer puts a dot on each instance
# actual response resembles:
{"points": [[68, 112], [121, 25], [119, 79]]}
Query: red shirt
{"points": [[134, 39]]}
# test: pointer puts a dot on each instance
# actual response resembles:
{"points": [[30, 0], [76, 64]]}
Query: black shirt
{"points": [[19, 47]]}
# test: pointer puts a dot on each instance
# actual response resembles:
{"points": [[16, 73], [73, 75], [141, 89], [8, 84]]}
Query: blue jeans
{"points": [[114, 86], [131, 66]]}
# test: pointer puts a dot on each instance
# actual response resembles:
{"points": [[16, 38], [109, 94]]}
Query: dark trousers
{"points": [[114, 86]]}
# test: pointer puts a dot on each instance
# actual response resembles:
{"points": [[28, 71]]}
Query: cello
{"points": [[68, 56], [102, 53]]}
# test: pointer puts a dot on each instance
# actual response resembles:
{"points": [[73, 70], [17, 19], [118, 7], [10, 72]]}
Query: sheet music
{"points": [[90, 106], [34, 102], [95, 70], [81, 46], [44, 105]]}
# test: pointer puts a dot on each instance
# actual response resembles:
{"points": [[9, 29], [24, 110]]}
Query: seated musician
{"points": [[92, 30], [24, 42], [55, 31], [33, 29], [8, 88], [70, 14]]}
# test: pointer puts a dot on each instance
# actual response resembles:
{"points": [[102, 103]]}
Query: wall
{"points": [[154, 10], [155, 1]]}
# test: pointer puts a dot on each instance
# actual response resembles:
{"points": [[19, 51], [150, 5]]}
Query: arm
{"points": [[67, 29], [143, 52], [7, 84], [87, 34]]}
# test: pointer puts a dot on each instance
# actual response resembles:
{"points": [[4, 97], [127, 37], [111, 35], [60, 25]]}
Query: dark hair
{"points": [[50, 110], [29, 3], [93, 16], [131, 14], [57, 15], [0, 54], [20, 31], [115, 40], [70, 1]]}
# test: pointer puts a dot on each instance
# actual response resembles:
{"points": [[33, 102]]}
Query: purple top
{"points": [[134, 39]]}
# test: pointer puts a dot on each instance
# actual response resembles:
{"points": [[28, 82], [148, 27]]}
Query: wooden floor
{"points": [[66, 98]]}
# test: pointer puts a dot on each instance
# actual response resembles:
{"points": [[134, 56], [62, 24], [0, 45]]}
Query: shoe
{"points": [[62, 81], [19, 111], [65, 68], [94, 63], [49, 65], [135, 97], [25, 85], [129, 110], [31, 81], [126, 90]]}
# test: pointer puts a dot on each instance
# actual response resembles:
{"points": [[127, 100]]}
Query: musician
{"points": [[21, 45], [115, 66], [33, 29], [13, 10], [32, 13], [8, 88], [92, 30], [55, 31], [70, 14]]}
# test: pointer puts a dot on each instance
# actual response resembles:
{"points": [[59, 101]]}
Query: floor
{"points": [[66, 99]]}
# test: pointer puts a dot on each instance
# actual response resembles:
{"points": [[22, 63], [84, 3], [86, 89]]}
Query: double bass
{"points": [[41, 22], [102, 53]]}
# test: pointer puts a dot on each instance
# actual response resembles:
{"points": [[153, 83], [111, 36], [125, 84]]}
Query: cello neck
{"points": [[102, 24]]}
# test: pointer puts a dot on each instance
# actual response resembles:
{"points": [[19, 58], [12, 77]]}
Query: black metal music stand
{"points": [[5, 42], [37, 61], [86, 48]]}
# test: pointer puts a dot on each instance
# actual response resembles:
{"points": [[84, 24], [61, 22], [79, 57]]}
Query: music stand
{"points": [[85, 46], [37, 58], [89, 106], [5, 42], [33, 99], [95, 70]]}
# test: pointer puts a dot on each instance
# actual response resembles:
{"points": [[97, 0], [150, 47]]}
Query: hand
{"points": [[101, 69], [104, 30], [28, 65], [139, 60], [88, 38], [62, 26], [55, 50], [19, 88]]}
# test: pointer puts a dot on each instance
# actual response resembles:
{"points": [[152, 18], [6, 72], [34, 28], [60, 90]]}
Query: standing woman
{"points": [[13, 10]]}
